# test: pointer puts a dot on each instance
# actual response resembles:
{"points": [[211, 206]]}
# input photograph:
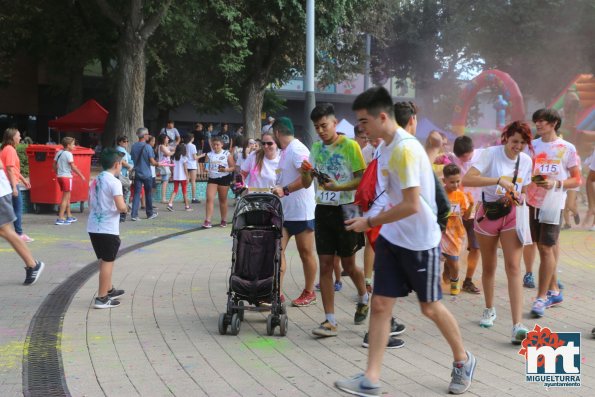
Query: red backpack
{"points": [[365, 195]]}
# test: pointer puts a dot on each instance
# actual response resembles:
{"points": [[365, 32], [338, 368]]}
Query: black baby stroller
{"points": [[256, 263]]}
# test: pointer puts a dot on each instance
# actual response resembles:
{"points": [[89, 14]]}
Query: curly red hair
{"points": [[518, 127]]}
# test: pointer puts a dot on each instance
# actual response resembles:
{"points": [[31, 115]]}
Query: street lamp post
{"points": [[310, 100]]}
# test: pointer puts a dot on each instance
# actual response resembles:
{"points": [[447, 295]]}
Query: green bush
{"points": [[21, 148]]}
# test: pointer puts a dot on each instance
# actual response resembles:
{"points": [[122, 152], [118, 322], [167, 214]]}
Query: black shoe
{"points": [[105, 303], [195, 201], [115, 293], [32, 273], [393, 343], [396, 328], [577, 219]]}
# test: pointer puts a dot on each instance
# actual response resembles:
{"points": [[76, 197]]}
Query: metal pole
{"points": [[367, 67], [310, 100]]}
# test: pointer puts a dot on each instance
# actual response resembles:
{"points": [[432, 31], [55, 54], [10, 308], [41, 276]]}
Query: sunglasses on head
{"points": [[268, 143]]}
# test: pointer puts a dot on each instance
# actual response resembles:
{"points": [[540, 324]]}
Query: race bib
{"points": [[500, 191], [326, 197], [547, 166], [455, 209]]}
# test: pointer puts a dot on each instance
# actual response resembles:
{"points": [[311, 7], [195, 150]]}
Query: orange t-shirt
{"points": [[10, 158], [452, 237]]}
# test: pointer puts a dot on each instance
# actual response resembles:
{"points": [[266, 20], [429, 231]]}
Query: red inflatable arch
{"points": [[489, 78]]}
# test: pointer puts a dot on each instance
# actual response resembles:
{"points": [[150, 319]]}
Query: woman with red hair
{"points": [[503, 172]]}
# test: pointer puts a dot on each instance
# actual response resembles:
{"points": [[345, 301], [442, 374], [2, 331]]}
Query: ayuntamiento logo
{"points": [[552, 358]]}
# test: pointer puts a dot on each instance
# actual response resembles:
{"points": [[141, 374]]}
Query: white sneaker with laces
{"points": [[488, 317]]}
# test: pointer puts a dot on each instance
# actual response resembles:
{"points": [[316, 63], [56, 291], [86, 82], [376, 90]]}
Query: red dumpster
{"points": [[44, 185]]}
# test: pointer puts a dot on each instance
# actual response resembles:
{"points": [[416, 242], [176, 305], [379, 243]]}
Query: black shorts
{"points": [[223, 181], [296, 227], [398, 271], [330, 234], [106, 246], [543, 233]]}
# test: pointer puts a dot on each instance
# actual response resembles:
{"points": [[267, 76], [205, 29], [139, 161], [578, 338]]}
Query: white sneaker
{"points": [[519, 333], [488, 317]]}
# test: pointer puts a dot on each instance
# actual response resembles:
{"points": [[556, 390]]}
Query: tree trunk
{"points": [[126, 115], [252, 99], [75, 90]]}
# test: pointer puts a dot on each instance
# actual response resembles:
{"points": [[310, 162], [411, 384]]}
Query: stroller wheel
{"points": [[283, 324], [241, 311], [270, 327], [222, 324], [235, 324]]}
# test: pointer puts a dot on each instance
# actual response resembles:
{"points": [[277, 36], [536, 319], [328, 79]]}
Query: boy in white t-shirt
{"points": [[106, 202], [407, 252], [555, 164], [63, 166]]}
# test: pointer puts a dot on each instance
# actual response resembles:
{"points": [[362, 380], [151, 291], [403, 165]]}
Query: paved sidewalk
{"points": [[164, 341]]}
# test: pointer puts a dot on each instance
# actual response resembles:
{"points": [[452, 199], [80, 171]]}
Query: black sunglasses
{"points": [[268, 143]]}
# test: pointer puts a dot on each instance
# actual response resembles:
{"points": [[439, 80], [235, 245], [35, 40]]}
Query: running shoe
{"points": [[553, 300], [115, 293], [469, 287], [462, 375], [488, 317], [26, 238], [223, 224], [529, 280], [106, 303], [71, 219], [153, 216], [32, 273], [170, 208], [393, 343], [207, 225], [325, 329], [361, 313], [305, 299], [396, 328], [338, 286], [519, 333], [538, 308], [455, 289], [61, 222]]}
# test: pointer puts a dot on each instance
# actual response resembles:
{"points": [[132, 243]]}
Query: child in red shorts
{"points": [[63, 166]]}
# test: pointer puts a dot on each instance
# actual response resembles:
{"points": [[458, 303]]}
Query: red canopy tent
{"points": [[90, 117]]}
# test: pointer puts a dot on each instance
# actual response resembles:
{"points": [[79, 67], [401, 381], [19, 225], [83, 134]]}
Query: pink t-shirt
{"points": [[10, 158]]}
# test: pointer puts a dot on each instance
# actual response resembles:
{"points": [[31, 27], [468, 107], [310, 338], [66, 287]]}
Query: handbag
{"points": [[523, 228], [498, 209], [552, 205]]}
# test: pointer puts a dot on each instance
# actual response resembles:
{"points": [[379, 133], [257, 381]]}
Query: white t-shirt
{"points": [[494, 163], [190, 153], [404, 164], [552, 160], [179, 172], [5, 187], [266, 177], [104, 216], [465, 166], [299, 205], [215, 160], [368, 152], [63, 160]]}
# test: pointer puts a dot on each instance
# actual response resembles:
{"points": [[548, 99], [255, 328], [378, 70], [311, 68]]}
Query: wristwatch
{"points": [[286, 190]]}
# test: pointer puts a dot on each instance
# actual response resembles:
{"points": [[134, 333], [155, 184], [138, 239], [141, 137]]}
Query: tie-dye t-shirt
{"points": [[103, 214], [403, 164], [339, 161], [552, 160], [452, 237]]}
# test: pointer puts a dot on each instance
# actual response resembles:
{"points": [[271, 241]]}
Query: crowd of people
{"points": [[511, 195]]}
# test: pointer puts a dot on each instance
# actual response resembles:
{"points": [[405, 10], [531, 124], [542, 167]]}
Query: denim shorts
{"points": [[296, 227]]}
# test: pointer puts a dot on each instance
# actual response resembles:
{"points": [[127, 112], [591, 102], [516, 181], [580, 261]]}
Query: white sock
{"points": [[330, 317], [364, 298]]}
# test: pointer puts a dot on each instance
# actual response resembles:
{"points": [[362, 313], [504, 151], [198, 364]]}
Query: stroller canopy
{"points": [[258, 210]]}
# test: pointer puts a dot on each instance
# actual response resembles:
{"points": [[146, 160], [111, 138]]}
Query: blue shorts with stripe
{"points": [[398, 271]]}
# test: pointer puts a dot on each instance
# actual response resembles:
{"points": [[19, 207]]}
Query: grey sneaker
{"points": [[106, 303], [361, 313], [462, 375], [153, 216], [325, 329], [359, 385], [488, 317], [32, 273], [115, 293], [519, 333]]}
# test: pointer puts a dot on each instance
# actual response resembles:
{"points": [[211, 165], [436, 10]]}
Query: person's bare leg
{"points": [[355, 273], [105, 277], [164, 191], [222, 193], [554, 283], [513, 251], [192, 177], [284, 241], [447, 325], [209, 207], [64, 203], [7, 232], [305, 246], [327, 289], [337, 267], [472, 261], [529, 254], [368, 260], [488, 246], [547, 268], [378, 333]]}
